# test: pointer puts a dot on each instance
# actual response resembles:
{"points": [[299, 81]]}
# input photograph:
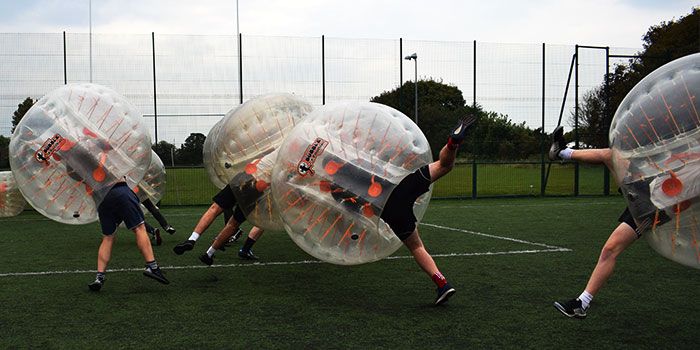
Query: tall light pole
{"points": [[414, 57], [90, 37]]}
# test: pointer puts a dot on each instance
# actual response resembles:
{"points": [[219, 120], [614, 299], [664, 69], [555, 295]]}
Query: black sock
{"points": [[100, 276], [248, 244], [153, 265]]}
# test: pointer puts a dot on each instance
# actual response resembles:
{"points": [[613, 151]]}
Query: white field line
{"points": [[550, 249]]}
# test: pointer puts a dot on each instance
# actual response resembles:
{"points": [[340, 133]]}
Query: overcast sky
{"points": [[616, 23]]}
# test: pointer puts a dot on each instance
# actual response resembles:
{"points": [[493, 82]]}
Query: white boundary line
{"points": [[550, 249]]}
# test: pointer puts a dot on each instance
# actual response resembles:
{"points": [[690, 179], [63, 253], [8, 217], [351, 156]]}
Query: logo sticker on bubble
{"points": [[315, 149], [50, 146]]}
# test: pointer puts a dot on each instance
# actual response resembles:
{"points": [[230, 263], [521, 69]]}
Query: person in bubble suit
{"points": [[398, 210], [626, 233], [155, 211], [117, 203], [251, 189]]}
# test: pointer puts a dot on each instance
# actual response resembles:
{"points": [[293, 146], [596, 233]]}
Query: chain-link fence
{"points": [[184, 84]]}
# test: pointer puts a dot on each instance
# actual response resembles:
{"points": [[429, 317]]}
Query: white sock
{"points": [[194, 236], [211, 251], [585, 298], [566, 153]]}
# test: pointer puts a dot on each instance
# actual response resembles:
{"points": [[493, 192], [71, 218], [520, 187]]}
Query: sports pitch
{"points": [[508, 258]]}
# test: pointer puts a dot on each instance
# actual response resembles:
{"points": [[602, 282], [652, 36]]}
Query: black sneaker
{"points": [[169, 229], [444, 293], [558, 143], [205, 258], [156, 237], [247, 255], [156, 274], [96, 285], [183, 247], [571, 308], [460, 131]]}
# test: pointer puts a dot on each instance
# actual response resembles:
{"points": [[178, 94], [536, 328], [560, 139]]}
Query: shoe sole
{"points": [[157, 278], [205, 261], [179, 250], [563, 312], [445, 296], [95, 287]]}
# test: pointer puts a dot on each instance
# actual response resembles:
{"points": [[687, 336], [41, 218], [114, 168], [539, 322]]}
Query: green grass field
{"points": [[191, 186], [508, 258]]}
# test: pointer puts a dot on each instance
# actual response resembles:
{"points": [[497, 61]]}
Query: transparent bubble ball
{"points": [[152, 186], [655, 138], [334, 174], [244, 150], [11, 201], [73, 145]]}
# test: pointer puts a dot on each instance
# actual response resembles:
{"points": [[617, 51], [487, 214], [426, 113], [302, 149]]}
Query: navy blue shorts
{"points": [[628, 219], [398, 210], [120, 204]]}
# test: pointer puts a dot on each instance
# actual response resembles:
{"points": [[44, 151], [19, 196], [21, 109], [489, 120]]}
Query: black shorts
{"points": [[225, 198], [628, 219], [398, 211], [120, 204]]}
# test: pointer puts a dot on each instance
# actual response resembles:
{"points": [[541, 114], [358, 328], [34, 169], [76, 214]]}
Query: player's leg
{"points": [[621, 238], [221, 201], [231, 227], [104, 254], [154, 233], [448, 153], [144, 244], [155, 211], [246, 252], [559, 151], [426, 262]]}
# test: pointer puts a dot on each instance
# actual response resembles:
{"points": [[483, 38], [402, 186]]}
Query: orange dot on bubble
{"points": [[99, 174], [3, 187], [251, 168], [672, 186], [332, 167], [261, 185], [375, 189], [324, 186]]}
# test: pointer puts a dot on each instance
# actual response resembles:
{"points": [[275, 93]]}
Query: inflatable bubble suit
{"points": [[655, 137], [214, 158], [334, 174], [153, 184], [246, 145], [73, 145], [11, 201]]}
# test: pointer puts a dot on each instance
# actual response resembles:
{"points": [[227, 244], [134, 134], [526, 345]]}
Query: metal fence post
{"points": [[608, 118], [542, 133], [155, 93], [240, 68], [576, 143], [65, 71], [323, 69], [474, 182], [474, 77]]}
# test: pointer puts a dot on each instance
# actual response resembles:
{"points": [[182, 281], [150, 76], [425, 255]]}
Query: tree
{"points": [[165, 151], [662, 43], [439, 107], [4, 152], [22, 108], [190, 153]]}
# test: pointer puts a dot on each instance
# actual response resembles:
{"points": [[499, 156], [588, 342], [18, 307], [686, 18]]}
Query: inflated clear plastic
{"points": [[655, 138], [153, 184], [215, 161], [246, 145], [11, 201], [334, 173], [73, 145]]}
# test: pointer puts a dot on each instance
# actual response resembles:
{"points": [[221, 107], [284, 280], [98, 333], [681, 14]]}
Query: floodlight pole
{"points": [[414, 57], [90, 38]]}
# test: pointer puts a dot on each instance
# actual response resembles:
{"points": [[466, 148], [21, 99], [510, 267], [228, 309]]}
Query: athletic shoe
{"points": [[247, 255], [156, 237], [444, 293], [183, 247], [169, 229], [156, 274], [96, 285], [571, 308], [460, 131], [205, 258], [558, 143]]}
